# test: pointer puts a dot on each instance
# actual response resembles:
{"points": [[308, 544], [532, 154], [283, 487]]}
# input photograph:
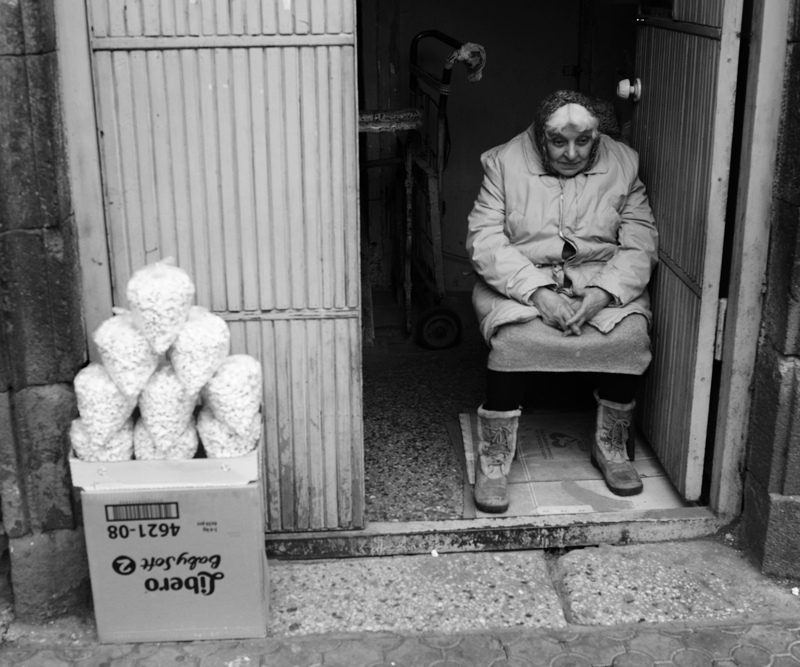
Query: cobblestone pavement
{"points": [[687, 603], [770, 644]]}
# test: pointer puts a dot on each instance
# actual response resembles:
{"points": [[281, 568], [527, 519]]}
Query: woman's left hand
{"points": [[594, 300]]}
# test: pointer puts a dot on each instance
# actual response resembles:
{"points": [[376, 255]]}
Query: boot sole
{"points": [[615, 490], [491, 509]]}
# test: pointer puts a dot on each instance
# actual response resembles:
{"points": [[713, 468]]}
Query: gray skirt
{"points": [[534, 346]]}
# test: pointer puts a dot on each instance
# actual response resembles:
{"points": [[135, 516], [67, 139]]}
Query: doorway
{"points": [[314, 481], [579, 45]]}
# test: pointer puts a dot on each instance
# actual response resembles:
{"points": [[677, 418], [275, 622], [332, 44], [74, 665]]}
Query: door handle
{"points": [[625, 89]]}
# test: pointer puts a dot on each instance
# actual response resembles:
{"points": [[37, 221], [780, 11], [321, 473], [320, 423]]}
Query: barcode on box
{"points": [[142, 511]]}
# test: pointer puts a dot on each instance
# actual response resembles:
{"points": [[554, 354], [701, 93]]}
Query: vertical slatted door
{"points": [[228, 141], [682, 128]]}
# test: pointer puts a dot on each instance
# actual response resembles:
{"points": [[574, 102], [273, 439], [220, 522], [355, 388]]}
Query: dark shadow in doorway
{"points": [[410, 393]]}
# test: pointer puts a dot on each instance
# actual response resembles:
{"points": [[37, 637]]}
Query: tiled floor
{"points": [[414, 456], [553, 475]]}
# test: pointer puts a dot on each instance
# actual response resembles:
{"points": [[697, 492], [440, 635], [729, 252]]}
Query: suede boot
{"points": [[497, 444], [609, 450]]}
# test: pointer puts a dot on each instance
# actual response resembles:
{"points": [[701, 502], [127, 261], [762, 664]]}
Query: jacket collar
{"points": [[534, 160]]}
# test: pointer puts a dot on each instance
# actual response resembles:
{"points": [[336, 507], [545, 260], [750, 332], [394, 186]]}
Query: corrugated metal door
{"points": [[683, 128], [228, 141]]}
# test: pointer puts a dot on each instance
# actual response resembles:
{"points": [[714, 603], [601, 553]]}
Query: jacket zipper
{"points": [[561, 220]]}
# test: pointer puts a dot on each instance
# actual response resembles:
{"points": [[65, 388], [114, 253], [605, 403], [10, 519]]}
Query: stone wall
{"points": [[771, 520], [42, 343]]}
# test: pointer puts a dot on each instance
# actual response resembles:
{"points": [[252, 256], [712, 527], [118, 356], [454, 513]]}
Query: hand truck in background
{"points": [[427, 154], [426, 149]]}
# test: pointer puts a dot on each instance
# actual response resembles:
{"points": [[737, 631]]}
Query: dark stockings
{"points": [[506, 390]]}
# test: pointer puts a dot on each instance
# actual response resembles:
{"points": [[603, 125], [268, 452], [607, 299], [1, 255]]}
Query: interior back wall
{"points": [[531, 47]]}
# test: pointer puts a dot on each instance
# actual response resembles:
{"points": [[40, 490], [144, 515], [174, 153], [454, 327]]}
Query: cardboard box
{"points": [[176, 548]]}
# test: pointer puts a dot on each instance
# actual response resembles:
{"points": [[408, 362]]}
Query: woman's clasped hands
{"points": [[569, 313]]}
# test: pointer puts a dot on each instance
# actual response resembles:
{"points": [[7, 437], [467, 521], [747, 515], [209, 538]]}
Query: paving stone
{"points": [[75, 653], [229, 656], [451, 662], [140, 651], [167, 655], [571, 661], [414, 594], [691, 657], [666, 583], [443, 642], [413, 652], [657, 644], [784, 661], [564, 635], [110, 656], [774, 639], [535, 650], [751, 656], [480, 649], [200, 649], [718, 644], [529, 649], [44, 659], [623, 634], [320, 645], [597, 647], [632, 659], [692, 643], [353, 653], [382, 642]]}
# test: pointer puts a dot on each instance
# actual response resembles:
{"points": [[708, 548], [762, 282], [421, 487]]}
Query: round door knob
{"points": [[625, 89]]}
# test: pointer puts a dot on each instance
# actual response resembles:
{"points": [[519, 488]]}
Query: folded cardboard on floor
{"points": [[176, 548]]}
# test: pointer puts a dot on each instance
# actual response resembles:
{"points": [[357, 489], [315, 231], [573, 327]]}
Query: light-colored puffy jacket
{"points": [[524, 215]]}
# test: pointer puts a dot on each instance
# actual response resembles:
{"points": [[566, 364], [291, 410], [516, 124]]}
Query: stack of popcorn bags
{"points": [[170, 359]]}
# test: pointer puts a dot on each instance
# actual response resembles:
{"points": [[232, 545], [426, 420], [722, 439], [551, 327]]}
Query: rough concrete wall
{"points": [[772, 485], [42, 344]]}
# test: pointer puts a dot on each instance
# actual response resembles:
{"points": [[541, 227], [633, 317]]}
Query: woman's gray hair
{"points": [[548, 107], [573, 115]]}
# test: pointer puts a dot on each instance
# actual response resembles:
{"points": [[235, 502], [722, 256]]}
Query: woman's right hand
{"points": [[555, 310]]}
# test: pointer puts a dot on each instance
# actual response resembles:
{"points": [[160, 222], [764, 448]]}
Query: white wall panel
{"points": [[238, 159], [176, 18]]}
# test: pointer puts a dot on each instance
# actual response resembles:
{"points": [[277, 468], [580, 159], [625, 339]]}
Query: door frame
{"points": [[764, 82]]}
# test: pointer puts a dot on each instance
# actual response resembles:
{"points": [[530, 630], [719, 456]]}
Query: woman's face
{"points": [[569, 134], [569, 150]]}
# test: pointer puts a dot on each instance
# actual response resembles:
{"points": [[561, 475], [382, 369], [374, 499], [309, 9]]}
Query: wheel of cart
{"points": [[426, 156]]}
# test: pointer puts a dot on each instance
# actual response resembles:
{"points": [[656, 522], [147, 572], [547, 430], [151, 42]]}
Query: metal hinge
{"points": [[722, 308]]}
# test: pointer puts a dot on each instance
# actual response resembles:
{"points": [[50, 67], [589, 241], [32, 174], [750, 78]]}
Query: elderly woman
{"points": [[561, 235]]}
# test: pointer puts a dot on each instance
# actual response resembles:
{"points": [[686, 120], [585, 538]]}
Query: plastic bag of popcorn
{"points": [[234, 392], [118, 448], [147, 447], [202, 344], [102, 406], [165, 405], [125, 352], [160, 296], [219, 441]]}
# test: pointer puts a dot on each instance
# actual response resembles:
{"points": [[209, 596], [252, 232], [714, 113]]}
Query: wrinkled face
{"points": [[569, 135]]}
